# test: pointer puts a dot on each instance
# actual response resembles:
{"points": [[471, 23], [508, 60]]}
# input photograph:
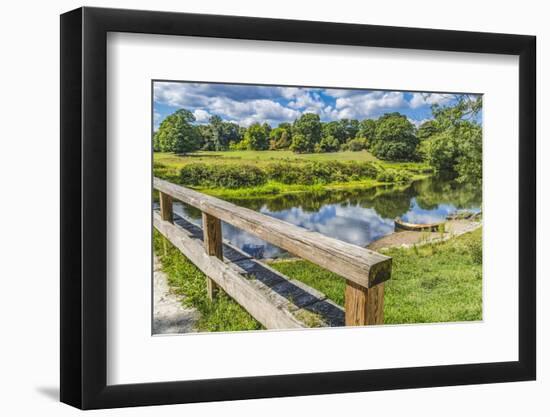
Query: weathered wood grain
{"points": [[364, 306], [262, 303], [213, 245], [359, 265], [166, 212]]}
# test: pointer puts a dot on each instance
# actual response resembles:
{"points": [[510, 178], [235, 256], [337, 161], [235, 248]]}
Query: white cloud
{"points": [[248, 112], [193, 95], [247, 104], [307, 100], [417, 123], [201, 116], [369, 105], [232, 102], [290, 92], [422, 99], [178, 95]]}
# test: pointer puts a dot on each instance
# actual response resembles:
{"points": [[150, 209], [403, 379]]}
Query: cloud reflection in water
{"points": [[356, 220]]}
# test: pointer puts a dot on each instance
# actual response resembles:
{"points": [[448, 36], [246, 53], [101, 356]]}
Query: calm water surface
{"points": [[355, 216]]}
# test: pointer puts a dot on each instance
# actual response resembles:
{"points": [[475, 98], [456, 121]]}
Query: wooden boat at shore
{"points": [[416, 227]]}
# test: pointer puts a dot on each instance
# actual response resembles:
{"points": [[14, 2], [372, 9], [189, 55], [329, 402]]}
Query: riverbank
{"points": [[436, 282], [245, 174], [276, 189], [406, 238]]}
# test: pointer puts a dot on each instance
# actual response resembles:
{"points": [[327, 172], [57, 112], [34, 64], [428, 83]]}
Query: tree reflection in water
{"points": [[356, 216]]}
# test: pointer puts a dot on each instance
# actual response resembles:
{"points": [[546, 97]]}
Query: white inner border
{"points": [[134, 356]]}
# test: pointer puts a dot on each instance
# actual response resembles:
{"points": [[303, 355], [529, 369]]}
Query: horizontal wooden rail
{"points": [[361, 266], [266, 309]]}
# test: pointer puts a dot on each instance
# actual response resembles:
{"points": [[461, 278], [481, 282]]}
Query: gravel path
{"points": [[408, 238], [169, 315]]}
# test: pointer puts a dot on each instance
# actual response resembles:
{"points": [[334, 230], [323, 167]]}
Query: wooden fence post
{"points": [[166, 207], [213, 244], [166, 214], [364, 306]]}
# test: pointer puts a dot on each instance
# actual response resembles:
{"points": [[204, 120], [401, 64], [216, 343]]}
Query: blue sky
{"points": [[246, 104]]}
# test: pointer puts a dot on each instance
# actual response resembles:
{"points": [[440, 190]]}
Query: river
{"points": [[355, 216]]}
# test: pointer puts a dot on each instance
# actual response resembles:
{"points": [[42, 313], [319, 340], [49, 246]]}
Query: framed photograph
{"points": [[256, 208]]}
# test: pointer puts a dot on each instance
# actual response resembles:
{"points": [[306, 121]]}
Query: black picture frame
{"points": [[84, 207]]}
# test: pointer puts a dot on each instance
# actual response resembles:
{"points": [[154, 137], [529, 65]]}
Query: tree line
{"points": [[451, 142], [391, 137]]}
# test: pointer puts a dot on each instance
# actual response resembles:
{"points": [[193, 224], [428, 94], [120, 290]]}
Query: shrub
{"points": [[237, 176], [283, 172], [319, 172], [307, 173], [391, 175], [195, 174], [226, 176]]}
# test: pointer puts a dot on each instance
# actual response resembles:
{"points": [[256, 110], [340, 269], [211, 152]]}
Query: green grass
{"points": [[169, 165], [274, 189], [258, 157], [433, 283], [222, 315]]}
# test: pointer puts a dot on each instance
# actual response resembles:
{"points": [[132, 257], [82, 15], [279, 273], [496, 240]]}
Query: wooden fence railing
{"points": [[365, 271]]}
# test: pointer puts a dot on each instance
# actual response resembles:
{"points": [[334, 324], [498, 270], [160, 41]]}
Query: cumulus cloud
{"points": [[201, 116], [198, 94], [247, 104], [369, 105], [242, 103], [422, 99], [252, 111]]}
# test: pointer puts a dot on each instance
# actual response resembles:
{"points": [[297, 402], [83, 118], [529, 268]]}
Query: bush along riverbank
{"points": [[239, 180]]}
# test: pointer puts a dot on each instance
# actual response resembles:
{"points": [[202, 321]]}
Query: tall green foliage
{"points": [[280, 137], [177, 133], [367, 128], [256, 137], [394, 138], [306, 133], [426, 130], [455, 144], [327, 144], [350, 127], [217, 135], [334, 129]]}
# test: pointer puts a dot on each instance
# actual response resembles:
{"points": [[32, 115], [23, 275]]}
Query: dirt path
{"points": [[169, 315], [453, 228]]}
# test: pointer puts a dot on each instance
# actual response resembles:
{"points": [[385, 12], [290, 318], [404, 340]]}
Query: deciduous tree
{"points": [[394, 138], [177, 133], [308, 130]]}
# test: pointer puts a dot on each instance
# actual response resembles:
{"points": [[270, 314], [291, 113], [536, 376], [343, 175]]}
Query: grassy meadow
{"points": [[346, 171]]}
